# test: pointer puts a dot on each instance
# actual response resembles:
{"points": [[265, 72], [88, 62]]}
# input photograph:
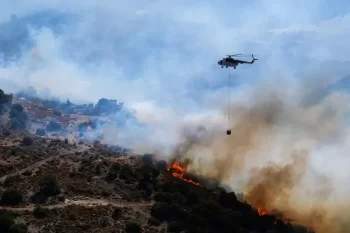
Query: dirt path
{"points": [[41, 162], [89, 203]]}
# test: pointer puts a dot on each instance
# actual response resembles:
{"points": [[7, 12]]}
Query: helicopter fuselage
{"points": [[228, 63]]}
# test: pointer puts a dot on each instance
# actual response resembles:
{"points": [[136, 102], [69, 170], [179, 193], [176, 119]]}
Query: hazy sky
{"points": [[167, 51]]}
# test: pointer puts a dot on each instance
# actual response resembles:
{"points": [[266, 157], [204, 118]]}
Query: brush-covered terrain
{"points": [[55, 184]]}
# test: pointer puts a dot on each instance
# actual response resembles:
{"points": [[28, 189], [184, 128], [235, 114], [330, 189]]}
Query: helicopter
{"points": [[229, 61]]}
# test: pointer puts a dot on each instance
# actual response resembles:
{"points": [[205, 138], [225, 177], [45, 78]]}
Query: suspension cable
{"points": [[229, 97]]}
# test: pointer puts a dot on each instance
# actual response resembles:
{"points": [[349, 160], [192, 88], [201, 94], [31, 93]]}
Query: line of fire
{"points": [[179, 170]]}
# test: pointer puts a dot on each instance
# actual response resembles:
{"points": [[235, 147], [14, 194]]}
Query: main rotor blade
{"points": [[234, 54]]}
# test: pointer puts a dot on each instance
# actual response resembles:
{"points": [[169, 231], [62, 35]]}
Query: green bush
{"points": [[126, 173], [11, 180], [18, 117], [18, 228], [11, 197], [178, 198], [192, 198], [132, 227], [161, 165], [163, 197], [177, 186], [49, 185], [40, 212], [300, 229], [154, 221], [170, 198], [175, 226], [57, 113], [113, 172], [228, 200], [147, 158], [166, 212], [214, 216], [148, 172], [117, 213], [6, 221], [27, 141]]}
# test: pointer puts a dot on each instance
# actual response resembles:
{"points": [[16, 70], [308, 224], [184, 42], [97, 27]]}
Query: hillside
{"points": [[51, 183]]}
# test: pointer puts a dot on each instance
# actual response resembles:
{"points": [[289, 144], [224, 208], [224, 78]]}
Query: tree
{"points": [[6, 220], [27, 141], [161, 165], [18, 228], [18, 117], [53, 126], [49, 185], [113, 172], [40, 212], [11, 197], [132, 227], [57, 113], [147, 158]]}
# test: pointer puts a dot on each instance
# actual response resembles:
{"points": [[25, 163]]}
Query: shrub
{"points": [[15, 109], [132, 227], [300, 229], [18, 228], [228, 200], [148, 190], [40, 212], [147, 158], [166, 212], [5, 98], [126, 173], [113, 172], [27, 141], [117, 213], [192, 198], [6, 220], [53, 126], [161, 165], [163, 197], [214, 216], [49, 185], [11, 197], [149, 173], [57, 113], [175, 226], [178, 198], [154, 221], [18, 117], [160, 211], [10, 180]]}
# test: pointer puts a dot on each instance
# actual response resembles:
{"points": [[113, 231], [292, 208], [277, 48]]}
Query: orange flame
{"points": [[262, 211], [179, 171]]}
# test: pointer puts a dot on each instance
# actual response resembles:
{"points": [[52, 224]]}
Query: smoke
{"points": [[282, 154]]}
